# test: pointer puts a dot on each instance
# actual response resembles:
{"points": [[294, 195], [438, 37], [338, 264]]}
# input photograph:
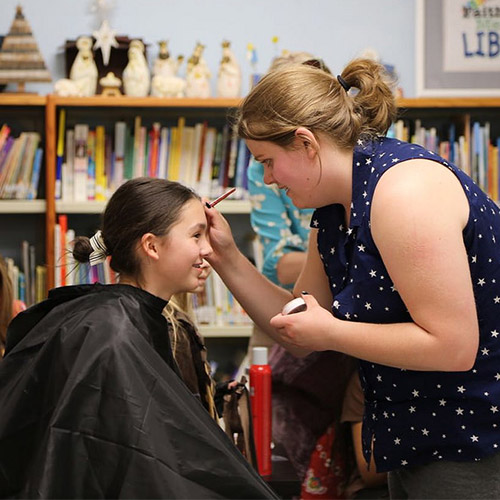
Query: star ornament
{"points": [[105, 39]]}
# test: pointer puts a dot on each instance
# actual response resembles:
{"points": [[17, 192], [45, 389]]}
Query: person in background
{"points": [[93, 405], [401, 273], [9, 307]]}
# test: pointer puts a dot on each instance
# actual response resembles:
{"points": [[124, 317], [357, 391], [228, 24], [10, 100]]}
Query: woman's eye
{"points": [[197, 235]]}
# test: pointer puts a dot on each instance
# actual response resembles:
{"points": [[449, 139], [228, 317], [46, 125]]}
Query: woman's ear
{"points": [[149, 245], [306, 139]]}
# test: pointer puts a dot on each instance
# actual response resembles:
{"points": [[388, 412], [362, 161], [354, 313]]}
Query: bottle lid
{"points": [[259, 355]]}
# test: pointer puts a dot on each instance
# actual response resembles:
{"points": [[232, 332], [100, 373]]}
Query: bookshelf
{"points": [[35, 220], [22, 220]]}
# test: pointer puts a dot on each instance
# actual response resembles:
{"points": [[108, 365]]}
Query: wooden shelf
{"points": [[217, 102], [97, 207], [22, 100], [22, 207], [449, 102], [145, 102], [226, 331]]}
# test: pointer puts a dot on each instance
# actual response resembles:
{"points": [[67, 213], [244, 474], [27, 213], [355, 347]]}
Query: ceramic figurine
{"points": [[165, 82], [65, 87], [84, 68], [110, 85], [198, 75], [165, 65], [229, 76], [136, 76]]}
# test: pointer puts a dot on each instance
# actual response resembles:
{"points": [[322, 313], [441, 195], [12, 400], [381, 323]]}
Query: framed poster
{"points": [[458, 47]]}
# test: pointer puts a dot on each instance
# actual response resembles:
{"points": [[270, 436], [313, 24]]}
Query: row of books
{"points": [[215, 305], [475, 151], [93, 163], [29, 281], [20, 164]]}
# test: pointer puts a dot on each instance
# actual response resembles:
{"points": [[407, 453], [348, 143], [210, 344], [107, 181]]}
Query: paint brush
{"points": [[222, 197]]}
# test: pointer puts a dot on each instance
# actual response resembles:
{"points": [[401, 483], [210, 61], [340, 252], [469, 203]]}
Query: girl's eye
{"points": [[197, 235], [267, 163]]}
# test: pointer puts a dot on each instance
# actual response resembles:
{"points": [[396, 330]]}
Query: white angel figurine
{"points": [[198, 75], [229, 76], [136, 76], [84, 69], [165, 82]]}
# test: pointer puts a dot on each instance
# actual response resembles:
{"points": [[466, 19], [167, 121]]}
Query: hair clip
{"points": [[343, 83]]}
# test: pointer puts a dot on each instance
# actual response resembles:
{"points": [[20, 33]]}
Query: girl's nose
{"points": [[206, 249]]}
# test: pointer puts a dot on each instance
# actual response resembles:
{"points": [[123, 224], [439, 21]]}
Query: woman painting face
{"points": [[291, 170]]}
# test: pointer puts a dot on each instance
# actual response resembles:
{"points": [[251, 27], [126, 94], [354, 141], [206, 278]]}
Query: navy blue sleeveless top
{"points": [[416, 417]]}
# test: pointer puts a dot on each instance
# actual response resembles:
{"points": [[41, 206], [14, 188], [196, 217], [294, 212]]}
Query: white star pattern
{"points": [[355, 269]]}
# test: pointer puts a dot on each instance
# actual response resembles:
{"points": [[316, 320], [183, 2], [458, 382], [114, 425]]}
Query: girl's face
{"points": [[291, 170], [182, 251]]}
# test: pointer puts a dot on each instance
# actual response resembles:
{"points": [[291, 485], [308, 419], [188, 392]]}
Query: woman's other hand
{"points": [[309, 330]]}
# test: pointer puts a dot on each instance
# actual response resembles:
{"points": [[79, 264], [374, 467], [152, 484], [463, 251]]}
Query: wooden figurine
{"points": [[84, 68], [136, 75], [198, 75], [20, 59], [229, 76], [165, 82]]}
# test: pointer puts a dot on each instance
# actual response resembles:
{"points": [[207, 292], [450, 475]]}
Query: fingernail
{"points": [[304, 293], [207, 204]]}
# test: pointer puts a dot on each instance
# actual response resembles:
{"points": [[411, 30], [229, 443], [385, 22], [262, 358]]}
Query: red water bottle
{"points": [[260, 400]]}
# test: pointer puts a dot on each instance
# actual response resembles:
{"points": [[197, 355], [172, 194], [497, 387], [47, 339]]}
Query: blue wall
{"points": [[332, 29]]}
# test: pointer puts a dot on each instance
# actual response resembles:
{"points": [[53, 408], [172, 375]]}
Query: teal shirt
{"points": [[279, 224]]}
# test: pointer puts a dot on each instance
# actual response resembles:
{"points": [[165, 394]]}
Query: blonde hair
{"points": [[289, 58], [179, 304], [6, 299], [304, 96]]}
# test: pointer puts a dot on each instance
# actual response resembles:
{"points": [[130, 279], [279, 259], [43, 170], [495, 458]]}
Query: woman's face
{"points": [[291, 170], [183, 250]]}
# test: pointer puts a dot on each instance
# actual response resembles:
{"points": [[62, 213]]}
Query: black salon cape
{"points": [[91, 406]]}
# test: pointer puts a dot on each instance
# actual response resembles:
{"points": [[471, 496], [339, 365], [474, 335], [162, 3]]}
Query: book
{"points": [[26, 172], [91, 153], [68, 167], [10, 186], [63, 226], [119, 157], [4, 134], [60, 153], [35, 177], [163, 152], [81, 162], [204, 186], [100, 163], [154, 151]]}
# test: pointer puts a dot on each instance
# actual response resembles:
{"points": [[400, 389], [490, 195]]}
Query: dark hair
{"points": [[139, 206], [301, 96]]}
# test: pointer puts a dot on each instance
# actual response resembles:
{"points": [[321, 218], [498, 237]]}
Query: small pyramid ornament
{"points": [[20, 59]]}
